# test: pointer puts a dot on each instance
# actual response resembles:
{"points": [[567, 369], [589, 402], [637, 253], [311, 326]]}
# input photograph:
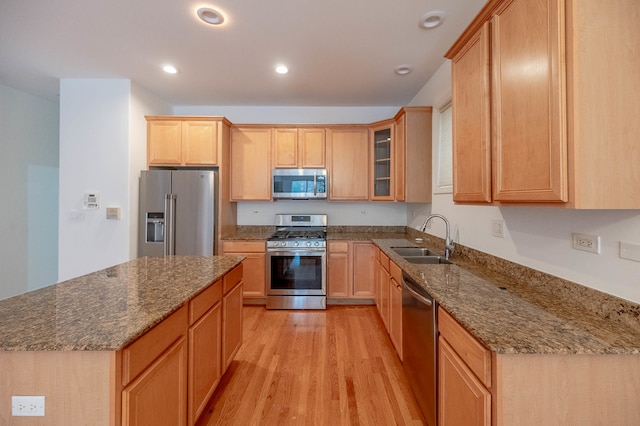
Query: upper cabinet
{"points": [[299, 148], [400, 157], [183, 141], [348, 163], [382, 152], [250, 165], [413, 155], [542, 106]]}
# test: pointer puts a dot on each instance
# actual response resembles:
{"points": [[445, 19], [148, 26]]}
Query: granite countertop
{"points": [[513, 315], [107, 309]]}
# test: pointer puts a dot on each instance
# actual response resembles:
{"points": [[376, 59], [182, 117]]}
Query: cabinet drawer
{"points": [[204, 301], [476, 356], [141, 353], [339, 247], [232, 278], [243, 247], [396, 271], [384, 261]]}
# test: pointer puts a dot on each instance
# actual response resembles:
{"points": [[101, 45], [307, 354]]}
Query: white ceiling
{"points": [[339, 52]]}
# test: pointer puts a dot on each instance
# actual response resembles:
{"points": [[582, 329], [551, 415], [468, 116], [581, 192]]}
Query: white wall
{"points": [[538, 237], [340, 213], [102, 146], [29, 172]]}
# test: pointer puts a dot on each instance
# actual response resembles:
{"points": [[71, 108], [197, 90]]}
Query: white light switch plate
{"points": [[630, 251]]}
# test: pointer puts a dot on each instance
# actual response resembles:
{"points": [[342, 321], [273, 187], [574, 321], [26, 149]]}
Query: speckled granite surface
{"points": [[508, 307], [521, 314], [107, 309]]}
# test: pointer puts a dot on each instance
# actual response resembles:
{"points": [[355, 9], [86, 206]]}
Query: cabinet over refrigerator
{"points": [[177, 212]]}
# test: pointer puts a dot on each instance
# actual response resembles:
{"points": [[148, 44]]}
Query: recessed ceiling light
{"points": [[403, 69], [210, 16], [282, 69], [432, 19], [170, 69]]}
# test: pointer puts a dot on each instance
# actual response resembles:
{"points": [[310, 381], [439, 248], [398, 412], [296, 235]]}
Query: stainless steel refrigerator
{"points": [[177, 212]]}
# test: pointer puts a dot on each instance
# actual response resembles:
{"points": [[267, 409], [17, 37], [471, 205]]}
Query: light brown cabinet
{"points": [[205, 348], [350, 270], [400, 157], [382, 162], [254, 281], [348, 163], [299, 148], [250, 163], [395, 306], [383, 277], [231, 315], [532, 72], [183, 141], [464, 375]]}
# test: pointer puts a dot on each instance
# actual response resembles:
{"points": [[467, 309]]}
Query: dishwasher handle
{"points": [[426, 301]]}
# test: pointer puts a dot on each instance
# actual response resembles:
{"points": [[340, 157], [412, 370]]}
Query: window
{"points": [[444, 172]]}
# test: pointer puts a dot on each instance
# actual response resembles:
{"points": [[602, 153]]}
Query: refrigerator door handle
{"points": [[170, 224]]}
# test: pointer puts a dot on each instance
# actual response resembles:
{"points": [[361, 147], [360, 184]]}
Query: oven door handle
{"points": [[315, 192], [301, 250]]}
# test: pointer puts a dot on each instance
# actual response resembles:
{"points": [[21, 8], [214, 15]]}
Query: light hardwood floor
{"points": [[333, 367]]}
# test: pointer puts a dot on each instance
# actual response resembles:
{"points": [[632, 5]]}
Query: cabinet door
{"points": [[471, 121], [383, 285], [164, 142], [395, 315], [364, 261], [285, 148], [200, 143], [348, 163], [159, 395], [462, 399], [254, 267], [312, 144], [528, 67], [232, 325], [250, 164], [338, 269], [205, 346], [382, 163]]}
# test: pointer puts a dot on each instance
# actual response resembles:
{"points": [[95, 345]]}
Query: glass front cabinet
{"points": [[382, 161]]}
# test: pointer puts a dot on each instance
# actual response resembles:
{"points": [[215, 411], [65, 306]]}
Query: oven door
{"points": [[296, 272]]}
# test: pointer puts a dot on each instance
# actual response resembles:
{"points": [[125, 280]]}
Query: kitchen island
{"points": [[103, 347]]}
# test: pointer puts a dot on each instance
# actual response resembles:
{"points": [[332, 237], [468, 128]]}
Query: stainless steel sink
{"points": [[427, 260], [413, 251]]}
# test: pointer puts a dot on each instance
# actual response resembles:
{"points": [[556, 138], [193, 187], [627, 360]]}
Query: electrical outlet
{"points": [[630, 251], [584, 242], [28, 406], [497, 228], [113, 213]]}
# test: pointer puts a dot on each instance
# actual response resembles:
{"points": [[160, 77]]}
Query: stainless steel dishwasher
{"points": [[419, 336]]}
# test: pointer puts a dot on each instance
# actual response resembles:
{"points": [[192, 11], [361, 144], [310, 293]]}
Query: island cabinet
{"points": [[526, 76], [350, 271], [251, 163], [348, 163], [302, 148], [254, 281], [184, 141]]}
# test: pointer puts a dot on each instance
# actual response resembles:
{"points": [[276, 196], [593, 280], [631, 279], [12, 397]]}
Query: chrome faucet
{"points": [[448, 244]]}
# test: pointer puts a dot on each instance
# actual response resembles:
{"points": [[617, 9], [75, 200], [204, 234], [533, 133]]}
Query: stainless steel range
{"points": [[297, 262]]}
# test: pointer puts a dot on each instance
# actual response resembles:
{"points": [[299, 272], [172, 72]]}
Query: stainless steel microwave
{"points": [[299, 184]]}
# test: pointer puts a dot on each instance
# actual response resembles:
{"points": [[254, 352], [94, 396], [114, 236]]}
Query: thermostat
{"points": [[91, 200]]}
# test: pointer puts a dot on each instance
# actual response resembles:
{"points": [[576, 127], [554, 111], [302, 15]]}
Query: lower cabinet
{"points": [[254, 281], [464, 376], [170, 373], [231, 316], [350, 270], [159, 395], [395, 306]]}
